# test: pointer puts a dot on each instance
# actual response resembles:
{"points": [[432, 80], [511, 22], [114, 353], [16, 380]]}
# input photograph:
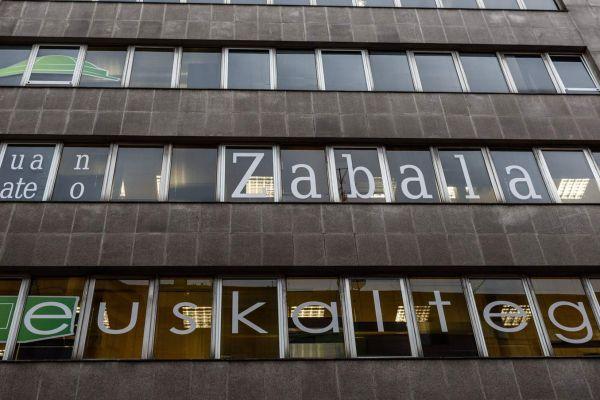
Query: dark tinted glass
{"points": [[249, 174], [200, 69], [344, 70], [437, 72], [137, 174], [466, 175], [459, 3], [304, 175], [193, 174], [296, 70], [574, 75], [520, 177], [540, 5], [103, 67], [13, 60], [390, 71], [413, 176], [24, 172], [502, 4], [419, 3], [530, 74], [358, 175], [81, 174], [572, 176], [152, 68], [483, 73], [54, 64], [249, 69]]}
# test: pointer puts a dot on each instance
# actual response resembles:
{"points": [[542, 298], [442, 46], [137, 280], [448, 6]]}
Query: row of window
{"points": [[269, 317], [56, 172], [264, 69]]}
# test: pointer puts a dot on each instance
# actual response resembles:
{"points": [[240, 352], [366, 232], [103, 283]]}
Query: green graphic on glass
{"points": [[48, 317], [7, 309], [57, 64]]}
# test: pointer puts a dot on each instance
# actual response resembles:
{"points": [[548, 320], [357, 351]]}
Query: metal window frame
{"points": [[546, 175], [26, 79], [365, 64], [503, 70], [474, 316], [86, 311], [174, 65], [349, 334], [460, 71], [282, 318], [457, 69], [510, 81], [165, 176], [15, 323], [320, 71], [215, 332], [552, 72], [82, 315], [414, 70], [331, 175], [586, 66], [412, 325], [128, 67], [493, 174], [545, 61], [367, 69], [225, 65], [543, 336], [277, 183], [588, 287], [150, 319]]}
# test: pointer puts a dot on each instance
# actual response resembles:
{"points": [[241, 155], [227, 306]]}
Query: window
{"points": [[540, 4], [358, 175], [13, 61], [379, 317], [193, 174], [292, 2], [376, 3], [249, 69], [574, 74], [573, 179], [413, 176], [466, 176], [118, 314], [183, 319], [81, 174], [530, 74], [347, 3], [483, 73], [502, 4], [249, 174], [200, 69], [152, 67], [250, 319], [24, 172], [54, 65], [296, 70], [315, 323], [304, 175], [137, 175], [390, 72], [9, 292], [103, 67], [520, 177], [437, 72], [568, 317], [344, 70], [248, 2], [419, 3], [459, 4]]}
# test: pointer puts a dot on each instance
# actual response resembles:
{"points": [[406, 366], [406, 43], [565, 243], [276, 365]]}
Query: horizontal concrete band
{"points": [[305, 380], [74, 113]]}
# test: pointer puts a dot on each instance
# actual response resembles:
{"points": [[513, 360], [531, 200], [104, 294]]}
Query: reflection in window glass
{"points": [[413, 177], [574, 74], [568, 317], [296, 70], [358, 175], [344, 70], [118, 313], [24, 172], [572, 176], [9, 291], [50, 319], [304, 175], [152, 68], [483, 72], [520, 177], [437, 72], [443, 318], [80, 174], [184, 319], [54, 65], [13, 60], [419, 3], [467, 178], [540, 5], [459, 3], [390, 71], [103, 67], [200, 69], [530, 74], [193, 174], [248, 2], [315, 324], [506, 319], [376, 3], [248, 69], [292, 2], [137, 174], [250, 319], [379, 318], [249, 174], [501, 4]]}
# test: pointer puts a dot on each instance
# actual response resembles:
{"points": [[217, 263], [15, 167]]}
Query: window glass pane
{"points": [[50, 319], [501, 4], [249, 69], [419, 3], [437, 72], [568, 317], [137, 174], [572, 177], [304, 175], [540, 5], [334, 2], [459, 3], [466, 175], [24, 172], [9, 292], [118, 313], [358, 175], [574, 75], [376, 3], [250, 320], [80, 174], [13, 60], [248, 2], [200, 69], [390, 71], [443, 318], [296, 70], [249, 174], [483, 73], [152, 68], [506, 319], [413, 177], [54, 64], [379, 318], [103, 67], [520, 177], [183, 319], [530, 74], [193, 174], [292, 2], [315, 324], [344, 70]]}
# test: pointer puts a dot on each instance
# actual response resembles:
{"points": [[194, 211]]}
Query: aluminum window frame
{"points": [[547, 64], [75, 77], [458, 69], [536, 315], [562, 87], [502, 64], [15, 323], [365, 64], [130, 58], [225, 66]]}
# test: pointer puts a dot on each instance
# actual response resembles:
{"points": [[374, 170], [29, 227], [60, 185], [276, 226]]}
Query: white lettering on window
{"points": [[378, 316], [312, 193], [526, 179], [237, 317], [585, 323], [469, 186], [519, 314], [106, 329], [439, 305], [420, 179], [332, 308], [19, 164], [36, 164], [86, 161], [354, 193], [31, 314], [21, 190], [237, 193], [187, 318], [77, 187]]}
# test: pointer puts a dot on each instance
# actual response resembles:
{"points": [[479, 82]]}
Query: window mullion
{"points": [[150, 321], [441, 178], [493, 175], [367, 70], [512, 86], [112, 161], [385, 175], [589, 291], [282, 316], [128, 66], [556, 81], [320, 72], [273, 69], [165, 177], [412, 65], [592, 165], [78, 70], [85, 320], [346, 303], [411, 321], [53, 170], [462, 77], [221, 174], [215, 343], [15, 323], [475, 322], [88, 289], [224, 68], [178, 53], [277, 184], [539, 157], [543, 336], [30, 63], [333, 181]]}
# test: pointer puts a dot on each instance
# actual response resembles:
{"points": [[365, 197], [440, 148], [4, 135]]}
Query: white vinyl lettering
{"points": [[585, 323], [312, 193], [36, 164], [21, 190], [469, 186], [332, 308], [18, 165], [187, 318], [378, 316], [519, 313], [439, 305], [31, 314], [237, 193], [237, 317], [419, 179], [354, 193], [77, 187], [526, 179], [132, 319], [86, 161]]}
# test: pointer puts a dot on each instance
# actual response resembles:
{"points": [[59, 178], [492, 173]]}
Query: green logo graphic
{"points": [[59, 65], [7, 309]]}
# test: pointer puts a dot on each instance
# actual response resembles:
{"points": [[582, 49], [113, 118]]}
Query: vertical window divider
{"points": [[107, 171], [414, 71], [512, 86], [349, 337], [522, 4], [224, 66], [215, 333], [493, 174], [589, 291], [78, 70], [439, 172], [543, 336], [11, 341], [165, 174], [367, 69], [333, 181], [86, 314], [273, 69], [320, 72], [276, 174], [221, 173], [128, 66], [282, 316], [436, 174], [439, 4], [462, 76], [150, 321], [111, 172], [176, 67], [592, 164], [82, 314], [558, 85], [30, 62], [411, 321], [480, 4], [539, 157], [590, 71], [52, 172], [475, 322], [3, 147], [397, 3], [385, 175]]}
